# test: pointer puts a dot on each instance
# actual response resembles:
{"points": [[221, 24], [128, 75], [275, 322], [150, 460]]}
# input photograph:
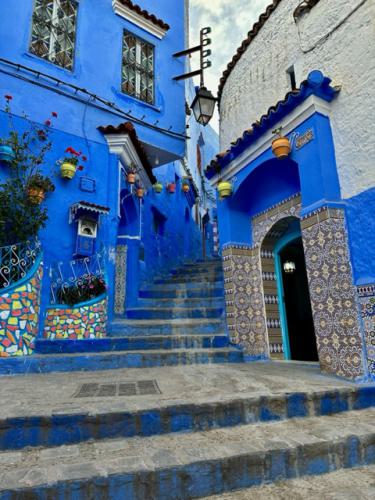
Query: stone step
{"points": [[201, 279], [191, 465], [192, 326], [174, 312], [113, 344], [345, 484], [49, 429], [194, 292], [47, 363], [184, 302]]}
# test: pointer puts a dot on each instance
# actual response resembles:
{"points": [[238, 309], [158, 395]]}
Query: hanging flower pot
{"points": [[158, 187], [140, 192], [131, 178], [185, 188], [37, 188], [225, 189], [281, 146], [68, 170], [6, 154], [172, 187], [36, 195]]}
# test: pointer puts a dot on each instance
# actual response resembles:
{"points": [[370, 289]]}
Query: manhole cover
{"points": [[139, 388]]}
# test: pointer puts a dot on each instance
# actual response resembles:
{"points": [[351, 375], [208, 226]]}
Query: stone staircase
{"points": [[180, 450], [179, 320]]}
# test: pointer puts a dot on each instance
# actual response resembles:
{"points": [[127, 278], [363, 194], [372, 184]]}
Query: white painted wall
{"points": [[347, 56]]}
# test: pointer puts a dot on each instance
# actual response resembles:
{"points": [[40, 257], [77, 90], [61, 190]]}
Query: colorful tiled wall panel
{"points": [[333, 295], [367, 303], [19, 317], [85, 322]]}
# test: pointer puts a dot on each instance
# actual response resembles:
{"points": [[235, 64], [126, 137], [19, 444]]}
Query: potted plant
{"points": [[171, 187], [7, 154], [140, 192], [69, 163], [185, 186], [225, 189], [281, 146], [158, 187], [131, 175], [37, 187]]}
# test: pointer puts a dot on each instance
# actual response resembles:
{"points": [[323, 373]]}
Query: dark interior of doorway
{"points": [[297, 304]]}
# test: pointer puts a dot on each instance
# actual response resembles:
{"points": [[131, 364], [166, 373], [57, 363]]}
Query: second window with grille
{"points": [[137, 68]]}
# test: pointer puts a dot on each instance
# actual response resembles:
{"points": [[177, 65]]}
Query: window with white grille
{"points": [[54, 31], [137, 68]]}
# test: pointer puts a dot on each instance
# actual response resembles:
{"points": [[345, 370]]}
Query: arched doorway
{"points": [[290, 323]]}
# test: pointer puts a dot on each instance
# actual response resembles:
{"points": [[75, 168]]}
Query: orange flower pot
{"points": [[172, 187], [281, 147], [185, 188], [140, 192], [36, 195], [131, 178]]}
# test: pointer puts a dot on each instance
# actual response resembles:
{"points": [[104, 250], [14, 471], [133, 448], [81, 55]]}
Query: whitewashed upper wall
{"points": [[347, 56]]}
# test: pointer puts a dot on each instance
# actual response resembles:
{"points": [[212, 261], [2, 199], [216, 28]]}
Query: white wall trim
{"points": [[121, 145], [135, 18], [311, 105]]}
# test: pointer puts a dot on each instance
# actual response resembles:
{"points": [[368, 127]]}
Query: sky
{"points": [[230, 21]]}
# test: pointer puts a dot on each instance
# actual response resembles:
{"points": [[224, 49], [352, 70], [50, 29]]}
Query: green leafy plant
{"points": [[20, 219], [41, 182]]}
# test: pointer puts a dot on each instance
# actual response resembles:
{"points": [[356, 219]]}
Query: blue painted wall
{"points": [[97, 68]]}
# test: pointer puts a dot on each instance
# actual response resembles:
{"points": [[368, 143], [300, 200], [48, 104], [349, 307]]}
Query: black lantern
{"points": [[203, 105]]}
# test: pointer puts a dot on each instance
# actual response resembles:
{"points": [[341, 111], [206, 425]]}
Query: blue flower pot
{"points": [[6, 154]]}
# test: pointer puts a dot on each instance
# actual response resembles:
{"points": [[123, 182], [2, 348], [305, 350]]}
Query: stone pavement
{"points": [[53, 393], [346, 484]]}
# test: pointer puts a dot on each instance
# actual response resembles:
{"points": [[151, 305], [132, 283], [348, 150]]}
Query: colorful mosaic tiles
{"points": [[366, 296], [85, 322], [333, 295], [250, 301], [19, 317]]}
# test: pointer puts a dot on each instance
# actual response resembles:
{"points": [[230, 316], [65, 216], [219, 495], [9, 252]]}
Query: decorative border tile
{"points": [[366, 301]]}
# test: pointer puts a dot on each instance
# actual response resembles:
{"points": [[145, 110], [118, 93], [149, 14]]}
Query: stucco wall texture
{"points": [[336, 37]]}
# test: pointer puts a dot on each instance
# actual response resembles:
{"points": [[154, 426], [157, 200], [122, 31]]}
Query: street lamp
{"points": [[203, 105]]}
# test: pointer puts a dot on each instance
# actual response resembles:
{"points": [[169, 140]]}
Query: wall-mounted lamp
{"points": [[289, 267]]}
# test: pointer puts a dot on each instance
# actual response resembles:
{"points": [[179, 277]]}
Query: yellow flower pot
{"points": [[281, 147], [185, 188], [68, 170], [36, 195], [225, 189]]}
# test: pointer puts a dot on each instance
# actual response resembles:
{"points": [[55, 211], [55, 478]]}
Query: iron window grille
{"points": [[137, 68], [54, 31]]}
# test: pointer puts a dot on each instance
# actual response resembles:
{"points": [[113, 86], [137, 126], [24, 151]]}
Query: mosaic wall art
{"points": [[244, 299], [120, 280], [86, 322], [333, 295], [366, 296], [19, 317]]}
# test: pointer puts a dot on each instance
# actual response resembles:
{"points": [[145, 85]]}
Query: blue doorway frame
{"points": [[283, 242]]}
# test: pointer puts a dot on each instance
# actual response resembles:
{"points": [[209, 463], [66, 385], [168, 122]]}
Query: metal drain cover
{"points": [[139, 388]]}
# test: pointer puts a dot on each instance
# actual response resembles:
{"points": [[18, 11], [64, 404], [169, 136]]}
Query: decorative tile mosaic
{"points": [[366, 296], [120, 281], [19, 317], [86, 322], [333, 295]]}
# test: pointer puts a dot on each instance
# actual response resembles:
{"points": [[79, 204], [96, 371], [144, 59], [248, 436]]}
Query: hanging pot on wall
{"points": [[225, 189], [131, 178], [36, 195], [158, 187], [140, 192], [6, 154], [281, 147], [172, 187], [68, 170], [185, 188]]}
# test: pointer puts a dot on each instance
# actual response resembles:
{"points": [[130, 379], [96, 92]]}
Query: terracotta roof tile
{"points": [[129, 129], [144, 13], [301, 9]]}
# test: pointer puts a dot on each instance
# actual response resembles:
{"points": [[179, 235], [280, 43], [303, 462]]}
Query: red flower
{"points": [[84, 158], [8, 97], [54, 114], [69, 150], [47, 122], [80, 167]]}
